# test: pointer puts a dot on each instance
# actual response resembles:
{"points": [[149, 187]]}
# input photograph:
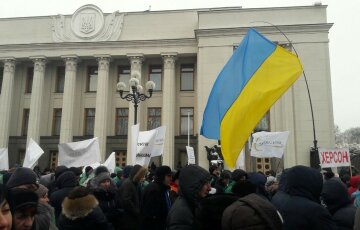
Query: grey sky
{"points": [[344, 36]]}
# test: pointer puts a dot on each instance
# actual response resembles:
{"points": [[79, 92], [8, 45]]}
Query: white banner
{"points": [[81, 153], [191, 155], [269, 144], [4, 159], [32, 155], [145, 145], [334, 157], [158, 148], [110, 162], [134, 141]]}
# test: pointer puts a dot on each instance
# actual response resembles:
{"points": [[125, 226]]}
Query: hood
{"points": [[305, 182], [137, 173], [238, 174], [283, 180], [191, 179], [335, 195], [79, 207], [354, 181], [67, 179]]}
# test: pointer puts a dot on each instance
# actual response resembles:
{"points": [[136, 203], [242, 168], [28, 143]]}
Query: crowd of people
{"points": [[158, 198]]}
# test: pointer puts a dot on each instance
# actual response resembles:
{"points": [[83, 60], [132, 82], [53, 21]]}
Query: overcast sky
{"points": [[344, 36]]}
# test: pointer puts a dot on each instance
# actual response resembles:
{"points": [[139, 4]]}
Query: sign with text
{"points": [[269, 144], [81, 153], [145, 146], [158, 148], [191, 155], [334, 157]]}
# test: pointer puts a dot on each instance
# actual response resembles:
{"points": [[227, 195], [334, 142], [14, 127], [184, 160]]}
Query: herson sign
{"points": [[334, 157]]}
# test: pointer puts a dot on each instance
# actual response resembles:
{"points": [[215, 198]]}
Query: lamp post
{"points": [[135, 95]]}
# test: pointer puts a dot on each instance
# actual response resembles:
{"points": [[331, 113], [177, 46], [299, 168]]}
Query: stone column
{"points": [[136, 61], [67, 115], [169, 107], [6, 100], [102, 100], [36, 99]]}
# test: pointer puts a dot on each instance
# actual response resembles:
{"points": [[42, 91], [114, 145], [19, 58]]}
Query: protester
{"points": [[104, 189], [77, 171], [118, 176], [271, 186], [357, 219], [5, 213], [58, 171], [65, 183], [128, 198], [222, 182], [215, 174], [338, 202], [236, 175], [251, 212], [85, 176], [174, 186], [23, 178], [302, 208], [156, 201], [194, 183], [259, 180], [81, 211], [354, 183], [45, 217], [23, 204]]}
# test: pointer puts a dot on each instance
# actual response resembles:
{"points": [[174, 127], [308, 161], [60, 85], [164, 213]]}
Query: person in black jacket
{"points": [[156, 201], [302, 209], [194, 183], [81, 211], [128, 198], [65, 183], [337, 201]]}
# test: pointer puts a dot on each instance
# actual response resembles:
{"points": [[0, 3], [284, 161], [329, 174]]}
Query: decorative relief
{"points": [[104, 63], [169, 61], [88, 23], [136, 62], [9, 65], [39, 64], [70, 64]]}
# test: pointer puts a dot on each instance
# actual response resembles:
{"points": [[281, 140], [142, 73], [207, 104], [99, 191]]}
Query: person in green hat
{"points": [[118, 179]]}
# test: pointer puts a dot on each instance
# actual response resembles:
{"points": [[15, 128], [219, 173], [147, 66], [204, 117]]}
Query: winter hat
{"points": [[117, 169], [238, 174], [137, 173], [101, 177], [76, 171], [127, 170], [161, 172], [41, 191], [88, 169], [20, 198], [22, 176], [60, 170], [101, 169], [243, 187]]}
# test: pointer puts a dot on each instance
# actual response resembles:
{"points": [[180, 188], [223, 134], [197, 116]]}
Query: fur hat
{"points": [[22, 176], [101, 169], [101, 177]]}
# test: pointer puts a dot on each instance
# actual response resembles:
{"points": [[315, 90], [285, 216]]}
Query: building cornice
{"points": [[266, 30]]}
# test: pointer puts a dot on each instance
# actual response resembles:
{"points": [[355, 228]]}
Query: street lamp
{"points": [[135, 95]]}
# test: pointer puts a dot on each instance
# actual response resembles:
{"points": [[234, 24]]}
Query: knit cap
{"points": [[41, 191], [22, 176]]}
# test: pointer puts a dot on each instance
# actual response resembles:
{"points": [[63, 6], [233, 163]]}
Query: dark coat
{"points": [[65, 183], [338, 202], [82, 213], [181, 215], [302, 209], [252, 212], [155, 206], [128, 198]]}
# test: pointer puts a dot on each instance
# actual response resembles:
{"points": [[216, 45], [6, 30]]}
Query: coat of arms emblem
{"points": [[87, 22]]}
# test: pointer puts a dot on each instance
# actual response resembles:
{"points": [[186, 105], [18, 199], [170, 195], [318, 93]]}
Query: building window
{"points": [[121, 121], [29, 79], [92, 77], [56, 122], [89, 122], [120, 158], [25, 122], [154, 118], [184, 121], [1, 77], [60, 79], [155, 75], [187, 77], [53, 159], [124, 75]]}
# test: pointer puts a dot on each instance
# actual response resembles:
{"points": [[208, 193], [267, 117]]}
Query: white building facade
{"points": [[59, 76]]}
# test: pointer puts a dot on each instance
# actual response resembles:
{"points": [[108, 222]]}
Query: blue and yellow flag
{"points": [[254, 78]]}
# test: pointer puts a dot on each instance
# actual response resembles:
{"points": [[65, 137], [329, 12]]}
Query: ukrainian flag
{"points": [[254, 78]]}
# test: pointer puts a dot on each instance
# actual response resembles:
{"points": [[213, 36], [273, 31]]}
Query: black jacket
{"points": [[155, 206], [181, 215], [66, 182], [338, 202], [302, 209], [82, 213]]}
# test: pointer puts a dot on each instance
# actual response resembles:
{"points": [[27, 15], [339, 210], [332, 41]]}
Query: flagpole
{"points": [[188, 123]]}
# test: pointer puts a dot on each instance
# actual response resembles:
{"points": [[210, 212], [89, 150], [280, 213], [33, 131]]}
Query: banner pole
{"points": [[350, 171], [188, 128]]}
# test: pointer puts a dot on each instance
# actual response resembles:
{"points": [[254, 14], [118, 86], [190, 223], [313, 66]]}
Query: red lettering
{"points": [[327, 157], [331, 156], [346, 156], [336, 157], [322, 157]]}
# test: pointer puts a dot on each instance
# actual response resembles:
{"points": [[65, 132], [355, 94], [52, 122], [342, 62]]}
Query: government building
{"points": [[59, 75]]}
